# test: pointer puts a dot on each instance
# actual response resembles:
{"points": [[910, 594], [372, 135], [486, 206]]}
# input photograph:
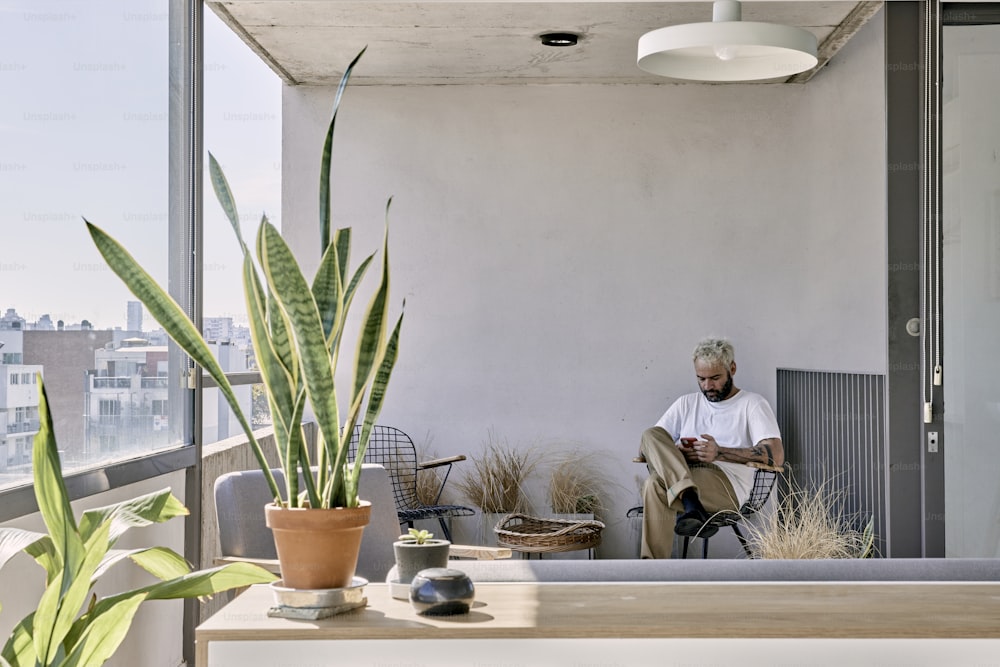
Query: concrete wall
{"points": [[561, 248], [154, 639]]}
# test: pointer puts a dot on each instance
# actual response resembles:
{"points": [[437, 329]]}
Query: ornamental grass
{"points": [[811, 523], [495, 481]]}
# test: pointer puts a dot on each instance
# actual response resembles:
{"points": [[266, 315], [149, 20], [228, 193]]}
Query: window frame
{"points": [[185, 145]]}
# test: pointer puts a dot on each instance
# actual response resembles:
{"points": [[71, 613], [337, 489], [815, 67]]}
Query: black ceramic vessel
{"points": [[440, 591]]}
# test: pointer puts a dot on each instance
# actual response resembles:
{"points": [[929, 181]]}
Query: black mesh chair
{"points": [[763, 483], [394, 450]]}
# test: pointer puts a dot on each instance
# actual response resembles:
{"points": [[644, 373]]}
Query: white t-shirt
{"points": [[741, 421]]}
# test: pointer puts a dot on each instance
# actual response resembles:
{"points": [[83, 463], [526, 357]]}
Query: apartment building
{"points": [[125, 406], [18, 401]]}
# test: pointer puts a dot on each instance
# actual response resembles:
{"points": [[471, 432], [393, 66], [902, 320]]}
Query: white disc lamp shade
{"points": [[727, 49]]}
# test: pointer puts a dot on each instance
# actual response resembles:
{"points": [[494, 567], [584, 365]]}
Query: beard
{"points": [[714, 396]]}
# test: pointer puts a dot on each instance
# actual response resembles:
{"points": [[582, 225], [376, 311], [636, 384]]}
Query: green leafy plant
{"points": [[417, 536], [297, 330], [67, 629]]}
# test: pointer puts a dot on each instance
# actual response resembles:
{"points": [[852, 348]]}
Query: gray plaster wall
{"points": [[561, 248]]}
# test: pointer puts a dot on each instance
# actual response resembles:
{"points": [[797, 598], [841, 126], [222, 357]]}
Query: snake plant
{"points": [[297, 329], [71, 627]]}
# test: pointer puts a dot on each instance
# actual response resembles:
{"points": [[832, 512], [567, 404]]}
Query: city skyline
{"points": [[46, 322]]}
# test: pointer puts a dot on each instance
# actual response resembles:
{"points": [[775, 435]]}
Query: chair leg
{"points": [[704, 548], [743, 541], [444, 528], [684, 552]]}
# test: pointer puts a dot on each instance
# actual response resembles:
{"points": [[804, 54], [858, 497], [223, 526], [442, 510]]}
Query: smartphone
{"points": [[688, 442]]}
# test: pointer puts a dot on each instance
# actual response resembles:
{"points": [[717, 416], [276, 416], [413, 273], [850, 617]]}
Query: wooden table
{"points": [[593, 623]]}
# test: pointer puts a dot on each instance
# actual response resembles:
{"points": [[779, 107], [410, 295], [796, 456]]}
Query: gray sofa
{"points": [[878, 569]]}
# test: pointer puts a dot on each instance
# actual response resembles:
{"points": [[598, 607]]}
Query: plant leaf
{"points": [[342, 239], [161, 562], [68, 555], [177, 325], [145, 510], [277, 369], [50, 489], [44, 553], [276, 331], [324, 171], [328, 291], [225, 197], [281, 339], [372, 338], [69, 604], [47, 613], [19, 651], [299, 458], [103, 634], [15, 540], [348, 299], [379, 385], [214, 580], [194, 584]]}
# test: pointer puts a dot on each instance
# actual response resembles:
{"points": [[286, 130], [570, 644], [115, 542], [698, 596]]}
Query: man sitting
{"points": [[697, 454]]}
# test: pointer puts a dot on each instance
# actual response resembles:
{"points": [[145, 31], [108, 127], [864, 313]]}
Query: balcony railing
{"points": [[29, 426], [155, 382], [112, 383]]}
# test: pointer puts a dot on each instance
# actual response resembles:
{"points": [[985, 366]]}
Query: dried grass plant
{"points": [[577, 484], [810, 523], [428, 485], [429, 480], [495, 482]]}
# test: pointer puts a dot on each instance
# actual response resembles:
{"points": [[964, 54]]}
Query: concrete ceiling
{"points": [[309, 42]]}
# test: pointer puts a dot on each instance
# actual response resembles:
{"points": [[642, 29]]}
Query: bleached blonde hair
{"points": [[715, 351]]}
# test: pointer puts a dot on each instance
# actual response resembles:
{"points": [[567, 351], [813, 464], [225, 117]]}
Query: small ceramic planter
{"points": [[412, 557]]}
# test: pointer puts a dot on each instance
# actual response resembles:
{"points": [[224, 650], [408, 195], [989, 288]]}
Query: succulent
{"points": [[416, 536]]}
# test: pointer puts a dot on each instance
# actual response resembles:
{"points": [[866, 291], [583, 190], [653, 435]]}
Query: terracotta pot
{"points": [[318, 548], [412, 557]]}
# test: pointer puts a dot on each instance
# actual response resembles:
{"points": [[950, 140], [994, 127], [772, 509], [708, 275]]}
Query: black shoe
{"points": [[694, 523]]}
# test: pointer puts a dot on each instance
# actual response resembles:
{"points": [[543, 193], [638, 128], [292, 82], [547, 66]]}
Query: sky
{"points": [[83, 134]]}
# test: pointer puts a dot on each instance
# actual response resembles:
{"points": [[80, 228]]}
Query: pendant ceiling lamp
{"points": [[727, 49]]}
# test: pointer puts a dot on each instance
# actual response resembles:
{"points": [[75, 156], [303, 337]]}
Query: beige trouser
{"points": [[669, 477]]}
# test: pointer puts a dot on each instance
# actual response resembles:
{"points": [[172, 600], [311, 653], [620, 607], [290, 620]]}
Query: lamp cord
{"points": [[930, 283], [938, 240], [925, 268]]}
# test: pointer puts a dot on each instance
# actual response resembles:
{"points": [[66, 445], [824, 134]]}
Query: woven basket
{"points": [[535, 535]]}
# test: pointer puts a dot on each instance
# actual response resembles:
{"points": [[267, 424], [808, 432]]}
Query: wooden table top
{"points": [[649, 609]]}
